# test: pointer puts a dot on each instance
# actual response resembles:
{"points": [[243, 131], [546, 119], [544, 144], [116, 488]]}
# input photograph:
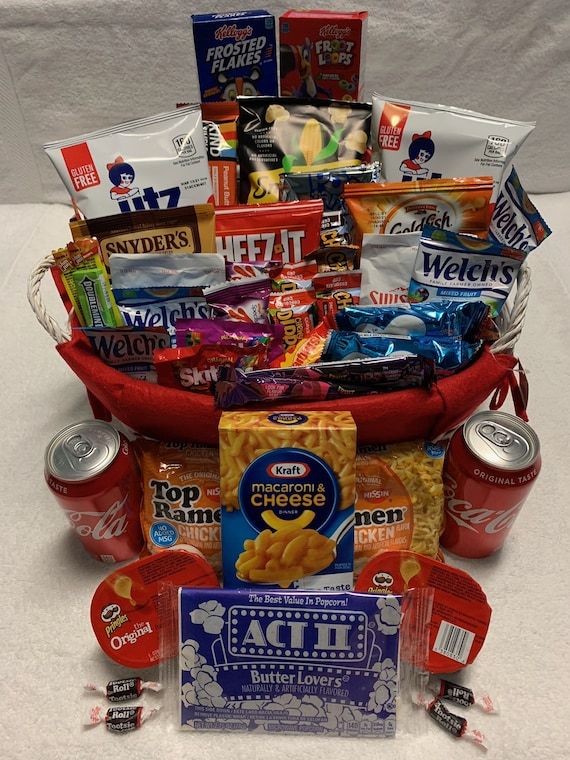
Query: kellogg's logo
{"points": [[335, 31], [233, 32]]}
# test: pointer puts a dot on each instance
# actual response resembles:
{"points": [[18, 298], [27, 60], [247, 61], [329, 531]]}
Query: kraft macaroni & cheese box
{"points": [[236, 54], [287, 492]]}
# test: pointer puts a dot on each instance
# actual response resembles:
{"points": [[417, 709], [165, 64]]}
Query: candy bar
{"points": [[119, 720], [124, 689], [461, 695], [219, 122], [244, 300], [191, 332]]}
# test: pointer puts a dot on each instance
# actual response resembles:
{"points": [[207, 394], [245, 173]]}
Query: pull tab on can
{"points": [[501, 440], [504, 443], [82, 451]]}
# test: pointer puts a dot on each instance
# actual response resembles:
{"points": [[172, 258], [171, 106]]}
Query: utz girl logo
{"points": [[420, 151], [122, 176], [131, 198]]}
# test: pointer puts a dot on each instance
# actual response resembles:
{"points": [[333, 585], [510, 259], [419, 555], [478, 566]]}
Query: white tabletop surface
{"points": [[49, 650]]}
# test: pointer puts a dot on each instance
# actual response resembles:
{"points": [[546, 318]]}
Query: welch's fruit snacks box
{"points": [[236, 54], [288, 661]]}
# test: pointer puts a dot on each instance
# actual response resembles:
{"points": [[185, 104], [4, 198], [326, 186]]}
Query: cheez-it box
{"points": [[236, 54], [322, 54]]}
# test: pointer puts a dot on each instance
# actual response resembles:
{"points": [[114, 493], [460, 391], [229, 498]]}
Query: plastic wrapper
{"points": [[159, 162], [119, 720], [399, 499], [337, 258], [286, 277], [308, 350], [191, 332], [461, 695], [155, 270], [144, 308], [458, 267], [455, 725], [128, 349], [338, 289], [295, 312], [281, 232], [460, 204], [449, 354], [219, 122], [181, 498], [516, 222], [244, 300], [123, 689], [245, 270], [278, 135], [195, 368], [295, 662], [387, 263], [171, 230], [419, 141], [320, 382], [432, 319]]}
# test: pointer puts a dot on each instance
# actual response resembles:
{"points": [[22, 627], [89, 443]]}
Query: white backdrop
{"points": [[69, 66]]}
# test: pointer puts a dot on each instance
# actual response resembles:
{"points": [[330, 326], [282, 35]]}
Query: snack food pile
{"points": [[280, 243]]}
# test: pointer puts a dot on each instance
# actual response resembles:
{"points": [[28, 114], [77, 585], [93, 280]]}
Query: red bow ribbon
{"points": [[427, 136], [118, 160]]}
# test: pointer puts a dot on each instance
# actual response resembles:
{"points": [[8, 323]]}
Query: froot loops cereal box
{"points": [[287, 492]]}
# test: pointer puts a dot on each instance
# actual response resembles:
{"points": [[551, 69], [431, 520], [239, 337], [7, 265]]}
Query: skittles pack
{"points": [[236, 54]]}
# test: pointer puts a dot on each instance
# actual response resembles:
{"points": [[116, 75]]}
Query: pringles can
{"points": [[489, 469], [91, 470]]}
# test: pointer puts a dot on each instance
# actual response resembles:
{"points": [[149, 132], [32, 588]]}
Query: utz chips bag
{"points": [[282, 232], [236, 54], [277, 135], [418, 141], [322, 54], [181, 498], [157, 162]]}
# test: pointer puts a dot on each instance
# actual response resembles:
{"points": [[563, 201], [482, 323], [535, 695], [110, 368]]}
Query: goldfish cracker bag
{"points": [[181, 498], [399, 500]]}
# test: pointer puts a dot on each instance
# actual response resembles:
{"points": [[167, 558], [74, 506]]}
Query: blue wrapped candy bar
{"points": [[449, 354], [288, 661], [433, 319]]}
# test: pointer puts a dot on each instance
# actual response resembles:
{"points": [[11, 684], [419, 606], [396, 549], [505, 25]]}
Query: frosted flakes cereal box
{"points": [[236, 54], [287, 483], [322, 54]]}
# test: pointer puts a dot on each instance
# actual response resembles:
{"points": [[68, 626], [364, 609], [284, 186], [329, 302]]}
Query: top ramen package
{"points": [[287, 492], [281, 232], [277, 135], [426, 141], [322, 54], [181, 498], [156, 162], [178, 230], [397, 207], [236, 54]]}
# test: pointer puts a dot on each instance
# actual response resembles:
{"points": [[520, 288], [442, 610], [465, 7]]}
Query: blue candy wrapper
{"points": [[296, 662], [449, 354], [455, 267], [434, 319]]}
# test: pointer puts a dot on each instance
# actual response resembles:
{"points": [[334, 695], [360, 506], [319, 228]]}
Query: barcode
{"points": [[453, 642]]}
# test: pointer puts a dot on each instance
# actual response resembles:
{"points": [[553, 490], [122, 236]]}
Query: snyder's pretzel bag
{"points": [[178, 230], [399, 499], [156, 162], [415, 140], [287, 492], [277, 135], [181, 498], [282, 232], [398, 207]]}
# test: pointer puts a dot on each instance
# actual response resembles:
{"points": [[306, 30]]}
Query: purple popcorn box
{"points": [[288, 661]]}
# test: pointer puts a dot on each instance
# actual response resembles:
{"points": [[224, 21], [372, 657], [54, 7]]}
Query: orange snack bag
{"points": [[181, 498], [460, 205]]}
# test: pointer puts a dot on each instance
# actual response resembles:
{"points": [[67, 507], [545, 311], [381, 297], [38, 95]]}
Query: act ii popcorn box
{"points": [[287, 484], [236, 54]]}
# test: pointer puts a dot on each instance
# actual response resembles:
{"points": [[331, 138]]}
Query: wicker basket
{"points": [[172, 414]]}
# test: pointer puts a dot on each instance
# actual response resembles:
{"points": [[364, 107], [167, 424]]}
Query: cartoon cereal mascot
{"points": [[420, 152], [122, 175], [296, 60]]}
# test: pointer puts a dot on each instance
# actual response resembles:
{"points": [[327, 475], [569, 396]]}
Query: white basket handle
{"points": [[511, 320], [49, 324]]}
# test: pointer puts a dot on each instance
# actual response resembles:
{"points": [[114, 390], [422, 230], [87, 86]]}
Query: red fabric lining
{"points": [[171, 414]]}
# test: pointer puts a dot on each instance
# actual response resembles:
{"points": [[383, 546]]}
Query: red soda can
{"points": [[489, 468], [91, 470]]}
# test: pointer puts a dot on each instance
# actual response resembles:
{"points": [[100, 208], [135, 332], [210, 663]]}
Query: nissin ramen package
{"points": [[287, 491], [426, 141], [157, 162], [236, 54]]}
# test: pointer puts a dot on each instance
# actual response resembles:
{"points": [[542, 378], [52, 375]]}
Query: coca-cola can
{"points": [[489, 469], [91, 470]]}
